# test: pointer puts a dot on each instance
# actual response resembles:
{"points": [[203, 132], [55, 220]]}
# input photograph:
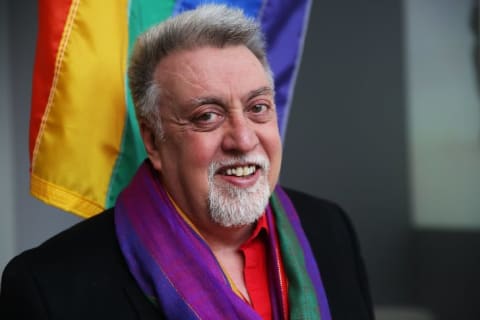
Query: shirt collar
{"points": [[259, 227]]}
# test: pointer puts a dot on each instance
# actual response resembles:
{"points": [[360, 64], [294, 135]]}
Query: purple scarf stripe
{"points": [[131, 245]]}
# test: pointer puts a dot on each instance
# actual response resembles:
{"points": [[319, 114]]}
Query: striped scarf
{"points": [[178, 272]]}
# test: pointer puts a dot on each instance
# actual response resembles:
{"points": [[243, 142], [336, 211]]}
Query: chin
{"points": [[235, 207]]}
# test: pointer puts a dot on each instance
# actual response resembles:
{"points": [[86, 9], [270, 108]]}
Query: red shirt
{"points": [[256, 269]]}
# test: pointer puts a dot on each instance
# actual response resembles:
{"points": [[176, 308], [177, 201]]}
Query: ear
{"points": [[151, 145]]}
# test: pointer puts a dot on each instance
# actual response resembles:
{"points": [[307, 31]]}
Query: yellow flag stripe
{"points": [[58, 65], [82, 129], [51, 193]]}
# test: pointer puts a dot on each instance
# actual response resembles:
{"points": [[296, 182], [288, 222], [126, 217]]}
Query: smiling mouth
{"points": [[240, 171]]}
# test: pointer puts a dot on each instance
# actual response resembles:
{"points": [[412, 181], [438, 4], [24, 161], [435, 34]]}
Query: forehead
{"points": [[214, 70]]}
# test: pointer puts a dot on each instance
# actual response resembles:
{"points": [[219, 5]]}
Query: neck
{"points": [[223, 238], [218, 237]]}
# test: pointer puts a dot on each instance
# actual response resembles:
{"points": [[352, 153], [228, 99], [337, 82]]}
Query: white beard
{"points": [[231, 206]]}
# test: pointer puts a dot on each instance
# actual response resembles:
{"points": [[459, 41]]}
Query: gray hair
{"points": [[208, 25]]}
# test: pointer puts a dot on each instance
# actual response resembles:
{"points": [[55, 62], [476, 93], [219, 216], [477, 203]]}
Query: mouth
{"points": [[240, 170]]}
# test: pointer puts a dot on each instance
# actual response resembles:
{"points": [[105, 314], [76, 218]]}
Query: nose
{"points": [[240, 135]]}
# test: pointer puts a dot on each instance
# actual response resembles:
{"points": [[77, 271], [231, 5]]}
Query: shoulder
{"points": [[307, 201], [87, 246], [336, 249], [88, 240], [325, 223], [78, 273], [316, 212]]}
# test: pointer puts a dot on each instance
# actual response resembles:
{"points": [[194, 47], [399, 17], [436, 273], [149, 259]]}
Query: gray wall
{"points": [[443, 107], [7, 243], [346, 137], [443, 113]]}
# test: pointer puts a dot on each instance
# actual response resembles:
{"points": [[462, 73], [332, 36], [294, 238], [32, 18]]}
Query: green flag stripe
{"points": [[142, 15]]}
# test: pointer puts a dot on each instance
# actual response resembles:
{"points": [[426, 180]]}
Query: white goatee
{"points": [[232, 206]]}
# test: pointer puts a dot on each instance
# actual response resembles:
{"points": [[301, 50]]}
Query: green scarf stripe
{"points": [[142, 15], [302, 296]]}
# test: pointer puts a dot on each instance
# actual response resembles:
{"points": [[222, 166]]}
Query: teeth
{"points": [[241, 171]]}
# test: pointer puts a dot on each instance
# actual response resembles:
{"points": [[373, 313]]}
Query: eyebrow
{"points": [[259, 92], [195, 102], [198, 101]]}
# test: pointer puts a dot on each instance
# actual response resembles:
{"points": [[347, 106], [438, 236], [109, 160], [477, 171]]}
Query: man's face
{"points": [[220, 154]]}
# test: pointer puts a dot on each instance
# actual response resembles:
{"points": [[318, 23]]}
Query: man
{"points": [[203, 230]]}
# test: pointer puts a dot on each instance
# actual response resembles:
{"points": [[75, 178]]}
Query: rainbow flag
{"points": [[84, 139]]}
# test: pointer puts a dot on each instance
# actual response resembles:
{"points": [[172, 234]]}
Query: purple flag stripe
{"points": [[285, 25], [251, 8]]}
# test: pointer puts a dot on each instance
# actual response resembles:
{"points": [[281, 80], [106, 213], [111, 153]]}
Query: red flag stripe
{"points": [[51, 22]]}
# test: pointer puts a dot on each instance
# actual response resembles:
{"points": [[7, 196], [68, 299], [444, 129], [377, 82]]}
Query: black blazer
{"points": [[81, 273]]}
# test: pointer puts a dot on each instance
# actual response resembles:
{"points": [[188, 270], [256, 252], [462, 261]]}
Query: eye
{"points": [[259, 108], [207, 120], [207, 117], [261, 112]]}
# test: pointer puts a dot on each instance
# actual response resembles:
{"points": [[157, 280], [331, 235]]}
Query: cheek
{"points": [[273, 142], [272, 145], [200, 149], [276, 163]]}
